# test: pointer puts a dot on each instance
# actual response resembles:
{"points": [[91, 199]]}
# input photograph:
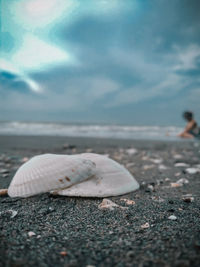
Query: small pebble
{"points": [[181, 164], [157, 199], [182, 181], [4, 171], [157, 161], [148, 167], [30, 234], [177, 156], [162, 167], [128, 201], [188, 198], [172, 217], [192, 170], [131, 151], [145, 226], [63, 253]]}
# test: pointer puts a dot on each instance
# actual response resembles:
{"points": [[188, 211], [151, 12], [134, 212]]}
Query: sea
{"points": [[90, 130]]}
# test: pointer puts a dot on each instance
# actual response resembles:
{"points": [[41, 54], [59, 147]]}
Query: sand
{"points": [[161, 226]]}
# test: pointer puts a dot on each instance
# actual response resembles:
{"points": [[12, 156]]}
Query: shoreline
{"points": [[27, 141]]}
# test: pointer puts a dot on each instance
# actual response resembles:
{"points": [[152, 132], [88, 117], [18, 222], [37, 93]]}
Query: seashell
{"points": [[110, 179], [108, 204], [48, 172]]}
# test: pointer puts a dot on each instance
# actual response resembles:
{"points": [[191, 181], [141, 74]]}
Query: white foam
{"points": [[84, 130]]}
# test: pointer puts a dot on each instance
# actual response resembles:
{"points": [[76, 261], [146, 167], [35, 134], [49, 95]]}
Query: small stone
{"points": [[4, 171], [30, 234], [162, 167], [63, 253], [188, 198], [157, 161], [145, 158], [150, 187], [143, 184], [192, 170], [182, 181], [145, 226], [148, 167], [128, 201], [157, 199], [172, 217], [177, 156], [5, 175], [131, 151], [181, 164], [130, 164]]}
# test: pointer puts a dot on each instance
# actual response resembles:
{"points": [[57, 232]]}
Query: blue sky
{"points": [[113, 61]]}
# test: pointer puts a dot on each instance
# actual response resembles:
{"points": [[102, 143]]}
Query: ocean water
{"points": [[90, 130]]}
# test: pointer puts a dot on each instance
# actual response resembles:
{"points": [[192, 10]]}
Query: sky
{"points": [[100, 61]]}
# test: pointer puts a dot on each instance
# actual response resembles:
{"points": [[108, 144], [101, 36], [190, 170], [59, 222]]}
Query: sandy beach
{"points": [[161, 226]]}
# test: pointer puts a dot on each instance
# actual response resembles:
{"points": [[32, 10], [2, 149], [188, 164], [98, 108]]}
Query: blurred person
{"points": [[191, 130]]}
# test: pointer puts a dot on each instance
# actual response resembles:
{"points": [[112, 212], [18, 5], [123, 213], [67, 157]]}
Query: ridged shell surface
{"points": [[111, 179], [47, 172]]}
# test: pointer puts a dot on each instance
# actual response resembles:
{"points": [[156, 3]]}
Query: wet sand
{"points": [[74, 232]]}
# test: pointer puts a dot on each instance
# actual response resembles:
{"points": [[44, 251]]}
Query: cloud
{"points": [[32, 15], [101, 56], [187, 58], [9, 73], [76, 95], [35, 54]]}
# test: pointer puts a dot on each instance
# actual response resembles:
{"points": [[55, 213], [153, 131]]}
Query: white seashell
{"points": [[48, 172], [111, 179]]}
